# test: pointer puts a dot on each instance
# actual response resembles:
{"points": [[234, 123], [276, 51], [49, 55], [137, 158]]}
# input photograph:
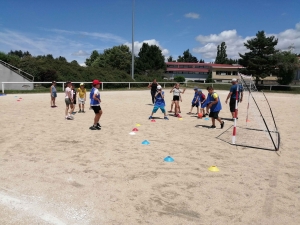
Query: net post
{"points": [[235, 114], [2, 88]]}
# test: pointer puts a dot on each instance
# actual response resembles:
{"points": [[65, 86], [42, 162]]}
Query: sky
{"points": [[73, 29]]}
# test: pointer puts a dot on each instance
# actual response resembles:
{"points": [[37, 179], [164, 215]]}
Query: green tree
{"points": [[221, 57], [201, 61], [93, 57], [118, 57], [170, 59], [286, 65], [150, 58], [187, 57], [259, 61]]}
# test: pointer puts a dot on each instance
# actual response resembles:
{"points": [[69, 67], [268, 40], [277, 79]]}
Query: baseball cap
{"points": [[195, 88], [81, 84], [234, 80], [199, 90], [95, 82], [158, 87]]}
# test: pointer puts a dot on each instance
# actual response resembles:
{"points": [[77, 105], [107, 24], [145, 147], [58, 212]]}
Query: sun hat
{"points": [[199, 90], [95, 82], [195, 88], [234, 80], [81, 84], [158, 87]]}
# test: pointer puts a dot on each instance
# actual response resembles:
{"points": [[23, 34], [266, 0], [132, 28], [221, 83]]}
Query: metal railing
{"points": [[22, 73]]}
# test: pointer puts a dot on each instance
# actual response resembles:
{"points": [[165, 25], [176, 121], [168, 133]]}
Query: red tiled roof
{"points": [[213, 65], [188, 69]]}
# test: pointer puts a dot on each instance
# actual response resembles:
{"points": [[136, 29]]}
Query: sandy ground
{"points": [[55, 171]]}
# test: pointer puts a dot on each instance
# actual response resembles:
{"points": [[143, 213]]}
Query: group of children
{"points": [[208, 106]]}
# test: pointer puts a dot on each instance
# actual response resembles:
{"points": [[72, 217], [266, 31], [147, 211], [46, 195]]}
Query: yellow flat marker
{"points": [[180, 118], [213, 169], [138, 125]]}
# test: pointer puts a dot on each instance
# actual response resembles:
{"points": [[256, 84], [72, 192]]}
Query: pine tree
{"points": [[221, 54]]}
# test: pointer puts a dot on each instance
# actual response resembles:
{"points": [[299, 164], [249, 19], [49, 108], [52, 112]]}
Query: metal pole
{"points": [[132, 49]]}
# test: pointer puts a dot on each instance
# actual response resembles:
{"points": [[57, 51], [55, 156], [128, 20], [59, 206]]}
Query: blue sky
{"points": [[73, 29]]}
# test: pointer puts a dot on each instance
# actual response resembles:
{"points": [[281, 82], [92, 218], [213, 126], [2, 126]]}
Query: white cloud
{"points": [[80, 53], [192, 15], [235, 42], [137, 46]]}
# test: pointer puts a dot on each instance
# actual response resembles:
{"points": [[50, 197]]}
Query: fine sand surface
{"points": [[55, 171]]}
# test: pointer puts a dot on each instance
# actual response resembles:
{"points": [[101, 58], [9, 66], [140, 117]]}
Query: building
{"points": [[200, 71]]}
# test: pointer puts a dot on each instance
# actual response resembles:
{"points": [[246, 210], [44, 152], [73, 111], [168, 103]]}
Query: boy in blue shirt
{"points": [[159, 103], [215, 107], [195, 102]]}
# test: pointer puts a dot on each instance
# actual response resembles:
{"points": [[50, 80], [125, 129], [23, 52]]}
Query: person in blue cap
{"points": [[195, 102], [159, 103]]}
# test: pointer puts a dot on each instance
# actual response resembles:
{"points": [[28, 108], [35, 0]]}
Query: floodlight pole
{"points": [[132, 48]]}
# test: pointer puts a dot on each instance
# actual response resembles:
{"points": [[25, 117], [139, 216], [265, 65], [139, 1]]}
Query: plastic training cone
{"points": [[180, 119], [135, 129], [168, 159], [206, 118], [138, 125], [247, 121], [132, 133], [213, 169], [145, 142], [153, 121], [18, 100]]}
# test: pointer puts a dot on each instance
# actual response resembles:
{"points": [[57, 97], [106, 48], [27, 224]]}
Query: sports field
{"points": [[56, 171]]}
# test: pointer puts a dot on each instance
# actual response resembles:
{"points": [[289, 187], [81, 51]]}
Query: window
{"points": [[234, 73], [223, 73], [172, 66]]}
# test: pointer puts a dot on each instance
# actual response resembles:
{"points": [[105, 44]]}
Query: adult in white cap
{"points": [[232, 95], [81, 97]]}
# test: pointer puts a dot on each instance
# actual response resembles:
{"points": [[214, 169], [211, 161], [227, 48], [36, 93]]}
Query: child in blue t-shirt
{"points": [[195, 101], [201, 101], [159, 103]]}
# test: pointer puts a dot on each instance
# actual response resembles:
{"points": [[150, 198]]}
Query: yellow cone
{"points": [[213, 169], [138, 125], [180, 119]]}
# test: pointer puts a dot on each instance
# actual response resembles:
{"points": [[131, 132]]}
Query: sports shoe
{"points": [[93, 128], [79, 111], [170, 111], [178, 115], [222, 124], [166, 118], [150, 117], [212, 127], [70, 118], [98, 125], [83, 111]]}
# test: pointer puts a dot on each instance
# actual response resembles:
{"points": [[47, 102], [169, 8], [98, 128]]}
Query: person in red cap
{"points": [[95, 104]]}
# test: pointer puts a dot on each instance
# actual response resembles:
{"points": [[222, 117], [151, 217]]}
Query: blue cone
{"points": [[206, 118], [169, 159], [145, 142]]}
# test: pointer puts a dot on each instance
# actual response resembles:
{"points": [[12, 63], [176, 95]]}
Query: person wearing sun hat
{"points": [[81, 97], [159, 102], [95, 104]]}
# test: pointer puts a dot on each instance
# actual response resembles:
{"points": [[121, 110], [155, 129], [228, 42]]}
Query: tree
{"points": [[286, 65], [150, 58], [259, 61], [179, 79], [117, 57], [201, 61], [93, 57], [170, 59], [187, 57], [221, 54]]}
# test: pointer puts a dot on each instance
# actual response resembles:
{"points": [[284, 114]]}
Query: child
{"points": [[176, 97], [215, 107], [201, 100], [73, 93], [53, 94], [159, 102], [195, 101], [68, 101], [172, 103], [95, 104], [81, 97]]}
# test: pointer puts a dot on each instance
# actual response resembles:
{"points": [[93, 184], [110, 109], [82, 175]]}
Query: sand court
{"points": [[55, 171]]}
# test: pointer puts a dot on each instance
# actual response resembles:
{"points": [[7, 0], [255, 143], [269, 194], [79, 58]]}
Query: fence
{"points": [[186, 84]]}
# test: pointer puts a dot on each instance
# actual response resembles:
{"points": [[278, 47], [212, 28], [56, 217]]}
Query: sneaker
{"points": [[212, 127], [83, 111], [178, 115], [93, 128], [189, 113], [170, 111], [166, 118], [222, 124], [98, 125], [150, 117], [179, 111], [73, 113], [79, 111], [70, 118]]}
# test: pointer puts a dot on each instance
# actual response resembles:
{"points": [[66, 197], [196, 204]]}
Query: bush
{"points": [[179, 79]]}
